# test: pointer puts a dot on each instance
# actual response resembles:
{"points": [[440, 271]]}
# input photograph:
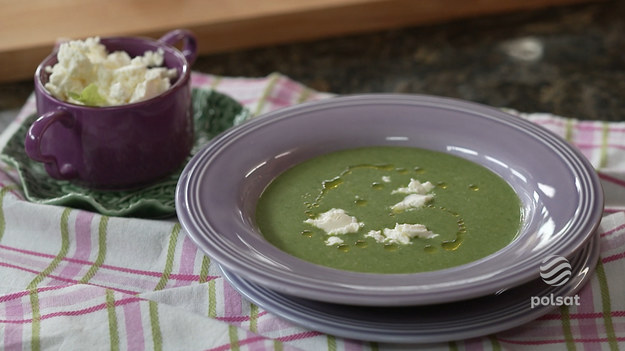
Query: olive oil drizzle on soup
{"points": [[471, 212]]}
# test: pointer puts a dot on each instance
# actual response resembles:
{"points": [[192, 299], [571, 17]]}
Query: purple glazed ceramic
{"points": [[117, 147], [560, 193], [423, 324]]}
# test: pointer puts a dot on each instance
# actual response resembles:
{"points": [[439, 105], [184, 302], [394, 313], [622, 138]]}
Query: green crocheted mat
{"points": [[213, 113]]}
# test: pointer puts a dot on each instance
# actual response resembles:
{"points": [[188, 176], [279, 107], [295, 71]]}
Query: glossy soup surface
{"points": [[473, 211]]}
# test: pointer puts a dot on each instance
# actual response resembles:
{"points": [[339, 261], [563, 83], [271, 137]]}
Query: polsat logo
{"points": [[555, 271]]}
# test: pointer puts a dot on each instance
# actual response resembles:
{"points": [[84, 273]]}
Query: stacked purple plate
{"points": [[562, 203]]}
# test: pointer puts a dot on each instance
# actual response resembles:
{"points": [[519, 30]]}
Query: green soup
{"points": [[472, 211]]}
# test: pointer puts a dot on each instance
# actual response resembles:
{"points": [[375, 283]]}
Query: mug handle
{"points": [[32, 143], [189, 42]]}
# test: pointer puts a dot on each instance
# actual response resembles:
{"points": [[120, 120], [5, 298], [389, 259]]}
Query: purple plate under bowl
{"points": [[561, 196]]}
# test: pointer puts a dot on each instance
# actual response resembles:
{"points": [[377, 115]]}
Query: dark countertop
{"points": [[568, 61]]}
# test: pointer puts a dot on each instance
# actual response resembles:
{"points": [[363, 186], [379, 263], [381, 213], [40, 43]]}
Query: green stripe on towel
{"points": [[169, 263], [3, 192], [113, 329], [212, 299], [603, 156], [253, 318], [157, 337], [102, 229], [606, 306], [273, 78], [35, 342], [32, 286], [206, 262], [234, 338], [331, 343], [566, 328], [568, 130], [60, 256]]}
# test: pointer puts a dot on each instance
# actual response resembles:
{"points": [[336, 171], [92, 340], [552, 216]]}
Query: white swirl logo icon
{"points": [[555, 270]]}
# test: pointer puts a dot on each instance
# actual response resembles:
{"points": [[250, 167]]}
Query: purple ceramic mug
{"points": [[117, 147]]}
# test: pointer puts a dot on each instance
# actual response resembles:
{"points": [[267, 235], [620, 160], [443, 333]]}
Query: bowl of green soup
{"points": [[388, 200]]}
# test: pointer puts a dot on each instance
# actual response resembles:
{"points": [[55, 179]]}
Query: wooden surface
{"points": [[29, 29]]}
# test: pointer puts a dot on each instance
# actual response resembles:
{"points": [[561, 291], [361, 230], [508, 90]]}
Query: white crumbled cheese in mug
{"points": [[336, 221], [87, 74]]}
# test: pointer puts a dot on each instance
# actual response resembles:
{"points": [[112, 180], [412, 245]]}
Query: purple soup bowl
{"points": [[117, 147], [560, 193]]}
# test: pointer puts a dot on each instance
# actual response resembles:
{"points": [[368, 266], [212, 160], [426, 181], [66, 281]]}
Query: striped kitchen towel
{"points": [[72, 279]]}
